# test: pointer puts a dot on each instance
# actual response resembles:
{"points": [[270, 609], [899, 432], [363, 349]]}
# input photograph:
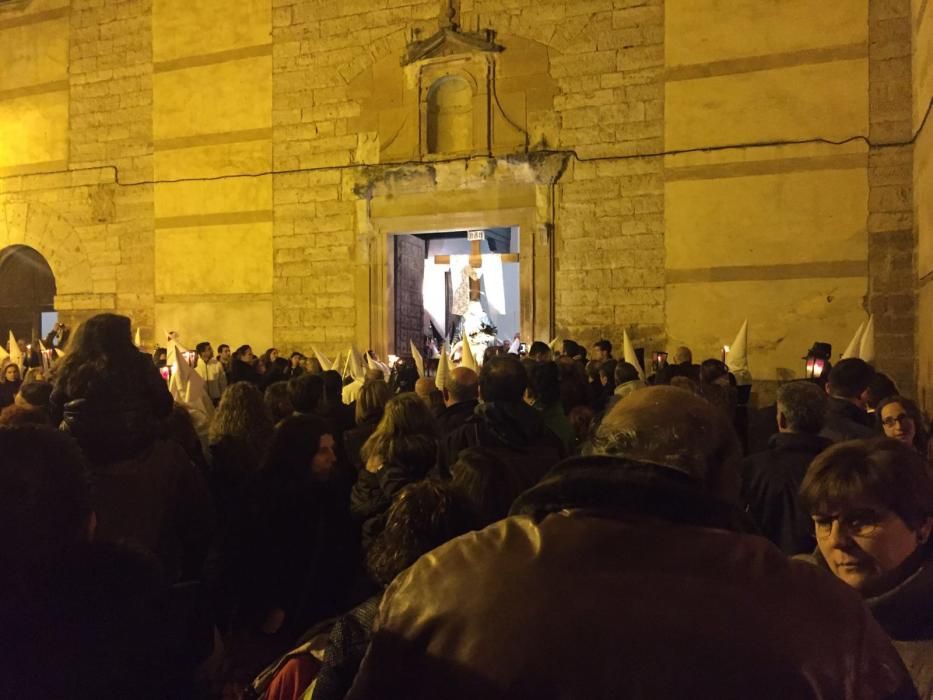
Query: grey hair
{"points": [[678, 430], [803, 404]]}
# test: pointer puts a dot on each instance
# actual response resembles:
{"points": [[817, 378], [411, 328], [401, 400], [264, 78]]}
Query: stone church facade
{"points": [[237, 170]]}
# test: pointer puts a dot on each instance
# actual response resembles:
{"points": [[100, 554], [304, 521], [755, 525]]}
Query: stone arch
{"points": [[27, 290], [449, 113], [40, 228]]}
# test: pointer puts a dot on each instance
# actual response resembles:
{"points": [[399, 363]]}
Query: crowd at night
{"points": [[555, 523]]}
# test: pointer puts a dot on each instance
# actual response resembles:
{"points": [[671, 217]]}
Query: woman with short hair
{"points": [[872, 507]]}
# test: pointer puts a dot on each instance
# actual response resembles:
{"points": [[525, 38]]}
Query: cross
{"points": [[476, 262]]}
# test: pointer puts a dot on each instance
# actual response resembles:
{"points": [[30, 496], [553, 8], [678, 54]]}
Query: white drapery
{"points": [[434, 292]]}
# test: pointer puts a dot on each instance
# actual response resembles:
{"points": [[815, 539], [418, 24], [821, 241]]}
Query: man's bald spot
{"points": [[670, 426], [462, 385], [425, 387]]}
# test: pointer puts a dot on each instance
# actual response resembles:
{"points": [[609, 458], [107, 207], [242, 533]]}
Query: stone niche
{"points": [[454, 94]]}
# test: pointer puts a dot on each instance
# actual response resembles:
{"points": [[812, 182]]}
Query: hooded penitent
{"points": [[737, 357], [628, 354], [853, 346]]}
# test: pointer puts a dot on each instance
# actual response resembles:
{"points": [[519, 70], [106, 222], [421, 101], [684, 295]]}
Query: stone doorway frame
{"points": [[454, 211]]}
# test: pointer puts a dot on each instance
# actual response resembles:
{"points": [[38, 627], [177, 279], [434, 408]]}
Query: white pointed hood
{"points": [[515, 347], [356, 371], [467, 358], [325, 363], [373, 363], [137, 339], [737, 357], [417, 357], [866, 349], [852, 349], [187, 386], [45, 355], [443, 369], [628, 354], [16, 355], [175, 350], [555, 345], [4, 355]]}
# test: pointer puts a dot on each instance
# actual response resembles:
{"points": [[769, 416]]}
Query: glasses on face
{"points": [[891, 421], [858, 523]]}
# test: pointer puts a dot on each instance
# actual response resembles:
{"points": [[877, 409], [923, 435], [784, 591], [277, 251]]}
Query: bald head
{"points": [[462, 385], [683, 356], [424, 387], [669, 426]]}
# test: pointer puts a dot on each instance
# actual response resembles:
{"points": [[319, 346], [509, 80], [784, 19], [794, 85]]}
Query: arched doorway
{"points": [[27, 293]]}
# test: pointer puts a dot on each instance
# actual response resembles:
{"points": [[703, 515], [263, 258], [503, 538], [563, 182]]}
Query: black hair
{"points": [[305, 392], [850, 378], [423, 516], [201, 347], [503, 379], [544, 382], [604, 345], [487, 482]]}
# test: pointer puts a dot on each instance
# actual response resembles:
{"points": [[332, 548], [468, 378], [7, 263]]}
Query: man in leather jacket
{"points": [[628, 573]]}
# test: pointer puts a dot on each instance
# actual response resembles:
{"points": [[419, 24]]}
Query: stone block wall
{"points": [[921, 28], [238, 170]]}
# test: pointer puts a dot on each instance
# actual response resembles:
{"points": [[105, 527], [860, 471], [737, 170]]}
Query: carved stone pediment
{"points": [[450, 41]]}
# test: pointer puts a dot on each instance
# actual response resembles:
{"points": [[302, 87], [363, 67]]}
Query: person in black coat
{"points": [[79, 618], [772, 478], [304, 554], [108, 395], [368, 409], [332, 408], [241, 367], [402, 450], [505, 424], [847, 386], [460, 399]]}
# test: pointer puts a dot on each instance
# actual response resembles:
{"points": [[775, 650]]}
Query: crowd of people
{"points": [[550, 525]]}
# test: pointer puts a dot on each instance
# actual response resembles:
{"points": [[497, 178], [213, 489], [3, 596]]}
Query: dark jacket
{"points": [[158, 500], [770, 483], [340, 418], [411, 460], [354, 439], [101, 622], [8, 391], [118, 415], [846, 421], [306, 550], [514, 431], [906, 615], [620, 579], [346, 647], [232, 475], [242, 372], [556, 420], [456, 415]]}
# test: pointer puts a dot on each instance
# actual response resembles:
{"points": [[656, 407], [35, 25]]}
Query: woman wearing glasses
{"points": [[872, 507], [901, 419]]}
